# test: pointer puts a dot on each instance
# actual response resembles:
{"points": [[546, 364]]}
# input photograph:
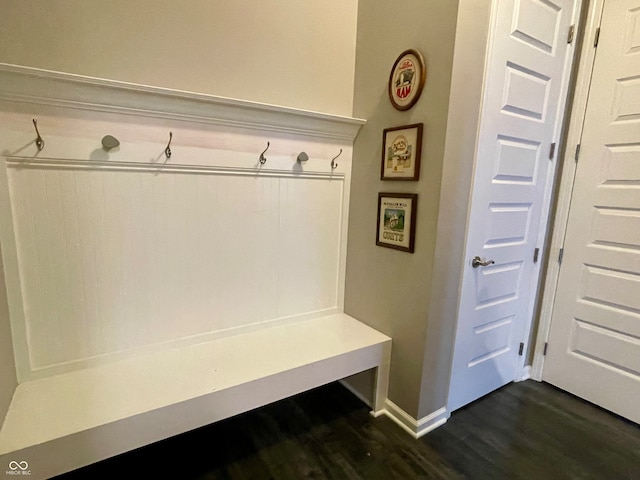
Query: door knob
{"points": [[477, 262]]}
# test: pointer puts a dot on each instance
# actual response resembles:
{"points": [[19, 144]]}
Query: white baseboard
{"points": [[525, 374], [416, 428], [378, 413]]}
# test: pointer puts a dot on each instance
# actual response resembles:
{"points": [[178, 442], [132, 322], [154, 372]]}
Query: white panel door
{"points": [[525, 90], [594, 343]]}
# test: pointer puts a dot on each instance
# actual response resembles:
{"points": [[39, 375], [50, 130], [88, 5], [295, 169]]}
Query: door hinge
{"points": [[552, 151], [577, 155], [572, 31], [536, 252], [560, 255], [597, 39], [544, 352], [521, 349]]}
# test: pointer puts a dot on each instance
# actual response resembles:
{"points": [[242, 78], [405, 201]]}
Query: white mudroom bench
{"points": [[154, 290], [66, 421]]}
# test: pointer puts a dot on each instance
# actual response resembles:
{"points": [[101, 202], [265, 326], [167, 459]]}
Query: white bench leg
{"points": [[381, 387]]}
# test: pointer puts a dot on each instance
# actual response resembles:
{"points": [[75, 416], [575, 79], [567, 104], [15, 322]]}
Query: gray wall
{"points": [[457, 175], [298, 54], [389, 289], [8, 381]]}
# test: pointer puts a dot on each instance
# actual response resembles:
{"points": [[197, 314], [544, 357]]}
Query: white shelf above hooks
{"points": [[45, 87]]}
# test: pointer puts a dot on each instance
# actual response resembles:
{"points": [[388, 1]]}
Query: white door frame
{"points": [[569, 165], [523, 369], [465, 107]]}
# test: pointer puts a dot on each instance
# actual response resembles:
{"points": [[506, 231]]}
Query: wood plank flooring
{"points": [[527, 430]]}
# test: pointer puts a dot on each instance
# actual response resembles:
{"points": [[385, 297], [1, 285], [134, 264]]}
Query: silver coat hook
{"points": [[263, 159], [39, 140], [167, 151], [110, 142], [334, 164]]}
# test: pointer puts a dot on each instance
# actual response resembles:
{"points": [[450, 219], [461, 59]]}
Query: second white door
{"points": [[594, 343]]}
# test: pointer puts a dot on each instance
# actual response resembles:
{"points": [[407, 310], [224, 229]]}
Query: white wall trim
{"points": [[574, 135], [12, 273], [416, 428], [45, 87], [524, 374], [553, 176], [62, 164]]}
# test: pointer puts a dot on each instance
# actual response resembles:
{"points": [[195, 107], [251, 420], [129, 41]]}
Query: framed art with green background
{"points": [[397, 221]]}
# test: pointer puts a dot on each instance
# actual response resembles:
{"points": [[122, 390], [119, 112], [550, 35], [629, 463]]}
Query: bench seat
{"points": [[66, 421]]}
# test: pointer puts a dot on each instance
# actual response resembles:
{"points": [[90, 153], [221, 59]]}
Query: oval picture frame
{"points": [[406, 80]]}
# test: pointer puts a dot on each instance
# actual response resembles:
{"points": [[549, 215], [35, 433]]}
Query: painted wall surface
{"points": [[294, 54], [389, 289], [457, 179], [8, 380]]}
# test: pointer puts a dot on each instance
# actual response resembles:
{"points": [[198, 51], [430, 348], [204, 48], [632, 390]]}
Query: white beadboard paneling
{"points": [[112, 261], [113, 253], [309, 238]]}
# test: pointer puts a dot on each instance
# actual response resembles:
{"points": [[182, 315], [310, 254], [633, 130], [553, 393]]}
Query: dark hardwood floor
{"points": [[526, 430]]}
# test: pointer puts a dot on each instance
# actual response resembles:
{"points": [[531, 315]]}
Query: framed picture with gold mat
{"points": [[401, 152]]}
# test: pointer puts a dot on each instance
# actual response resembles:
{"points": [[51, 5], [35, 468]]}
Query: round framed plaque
{"points": [[407, 79]]}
